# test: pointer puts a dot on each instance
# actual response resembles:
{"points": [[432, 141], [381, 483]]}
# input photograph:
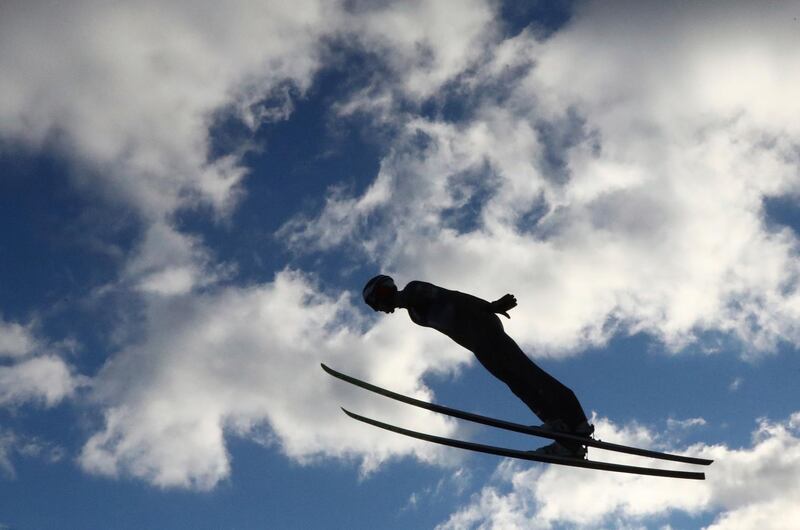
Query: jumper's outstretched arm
{"points": [[503, 304]]}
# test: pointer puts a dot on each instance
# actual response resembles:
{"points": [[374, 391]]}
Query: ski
{"points": [[510, 426], [527, 455]]}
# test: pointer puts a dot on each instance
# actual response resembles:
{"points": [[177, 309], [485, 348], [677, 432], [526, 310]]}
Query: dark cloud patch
{"points": [[471, 191], [558, 137], [544, 18], [529, 221], [784, 211]]}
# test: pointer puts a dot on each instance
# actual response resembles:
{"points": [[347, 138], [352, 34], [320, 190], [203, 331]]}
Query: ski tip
{"points": [[353, 415], [325, 367]]}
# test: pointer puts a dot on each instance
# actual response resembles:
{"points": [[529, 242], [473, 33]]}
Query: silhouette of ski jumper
{"points": [[473, 323]]}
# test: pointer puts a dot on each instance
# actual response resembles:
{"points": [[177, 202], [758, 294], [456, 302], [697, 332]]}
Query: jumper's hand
{"points": [[503, 304]]}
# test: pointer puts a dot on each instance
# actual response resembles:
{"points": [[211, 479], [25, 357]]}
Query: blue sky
{"points": [[192, 196]]}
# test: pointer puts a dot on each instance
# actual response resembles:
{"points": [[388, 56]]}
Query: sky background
{"points": [[192, 195]]}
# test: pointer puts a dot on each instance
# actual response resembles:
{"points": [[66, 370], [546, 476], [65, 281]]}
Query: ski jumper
{"points": [[470, 322]]}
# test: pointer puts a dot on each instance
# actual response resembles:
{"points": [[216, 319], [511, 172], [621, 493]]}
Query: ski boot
{"points": [[565, 448]]}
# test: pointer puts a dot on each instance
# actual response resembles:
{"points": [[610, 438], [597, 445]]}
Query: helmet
{"points": [[372, 290]]}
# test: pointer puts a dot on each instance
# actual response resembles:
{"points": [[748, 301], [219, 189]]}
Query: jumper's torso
{"points": [[466, 319]]}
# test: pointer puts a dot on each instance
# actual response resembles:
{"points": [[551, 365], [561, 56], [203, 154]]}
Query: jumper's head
{"points": [[380, 293]]}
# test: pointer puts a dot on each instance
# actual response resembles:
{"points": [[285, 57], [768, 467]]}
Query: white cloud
{"points": [[16, 340], [45, 379], [775, 515], [34, 371], [6, 445], [12, 444], [128, 95], [170, 263], [425, 43], [452, 485], [244, 361], [616, 184], [752, 487], [689, 423], [131, 91]]}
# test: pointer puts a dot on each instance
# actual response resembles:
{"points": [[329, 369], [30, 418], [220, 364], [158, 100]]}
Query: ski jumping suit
{"points": [[470, 322]]}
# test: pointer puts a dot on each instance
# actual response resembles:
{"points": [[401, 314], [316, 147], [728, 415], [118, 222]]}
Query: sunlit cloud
{"points": [[744, 486]]}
